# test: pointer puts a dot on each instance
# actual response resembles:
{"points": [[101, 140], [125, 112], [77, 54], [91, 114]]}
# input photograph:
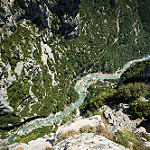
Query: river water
{"points": [[81, 89]]}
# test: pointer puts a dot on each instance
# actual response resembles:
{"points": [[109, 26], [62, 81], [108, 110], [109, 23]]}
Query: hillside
{"points": [[47, 45]]}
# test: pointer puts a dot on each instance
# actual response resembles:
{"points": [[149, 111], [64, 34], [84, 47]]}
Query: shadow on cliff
{"points": [[41, 13], [21, 123]]}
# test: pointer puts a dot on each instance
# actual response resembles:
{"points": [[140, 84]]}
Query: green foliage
{"points": [[3, 134], [13, 63], [72, 94], [36, 133], [9, 44], [37, 87], [8, 119], [125, 94], [137, 72], [86, 129], [130, 92], [141, 109], [144, 10], [148, 138], [129, 140], [2, 10], [94, 91], [102, 99], [15, 6], [18, 92]]}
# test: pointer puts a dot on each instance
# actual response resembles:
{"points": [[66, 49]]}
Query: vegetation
{"points": [[18, 92], [131, 92], [66, 135], [129, 140], [141, 109], [137, 72], [99, 130], [100, 47], [94, 91], [2, 10], [36, 133], [128, 93], [8, 119]]}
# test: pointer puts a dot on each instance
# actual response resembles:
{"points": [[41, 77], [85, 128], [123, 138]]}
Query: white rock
{"points": [[38, 144], [80, 122], [87, 141], [19, 68], [147, 144]]}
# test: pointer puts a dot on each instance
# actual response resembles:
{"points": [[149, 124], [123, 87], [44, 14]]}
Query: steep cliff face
{"points": [[40, 13], [47, 44], [91, 133]]}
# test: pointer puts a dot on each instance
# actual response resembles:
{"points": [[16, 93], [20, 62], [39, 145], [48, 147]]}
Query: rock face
{"points": [[118, 120], [37, 11], [38, 144], [85, 141], [81, 122], [70, 19], [8, 18], [5, 108], [40, 13], [88, 141]]}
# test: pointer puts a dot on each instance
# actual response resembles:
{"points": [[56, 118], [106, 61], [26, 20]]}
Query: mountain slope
{"points": [[46, 45]]}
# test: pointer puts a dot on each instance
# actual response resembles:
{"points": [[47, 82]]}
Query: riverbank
{"points": [[81, 88]]}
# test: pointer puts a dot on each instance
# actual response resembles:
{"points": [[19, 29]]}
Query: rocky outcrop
{"points": [[78, 142], [5, 108], [6, 79], [118, 120], [88, 141], [80, 122], [38, 144], [9, 16], [84, 141], [40, 13], [68, 12], [37, 11]]}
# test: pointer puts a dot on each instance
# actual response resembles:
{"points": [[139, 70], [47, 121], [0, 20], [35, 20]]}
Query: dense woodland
{"points": [[134, 88]]}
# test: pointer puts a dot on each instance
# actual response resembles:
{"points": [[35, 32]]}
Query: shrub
{"points": [[2, 10], [129, 140], [99, 130], [87, 129], [141, 109], [66, 135]]}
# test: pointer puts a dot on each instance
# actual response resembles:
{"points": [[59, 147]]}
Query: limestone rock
{"points": [[118, 120], [37, 12], [88, 141], [38, 144], [147, 144], [80, 122]]}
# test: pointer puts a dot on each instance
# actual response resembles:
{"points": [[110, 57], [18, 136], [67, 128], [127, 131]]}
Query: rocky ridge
{"points": [[40, 54], [88, 141], [75, 140]]}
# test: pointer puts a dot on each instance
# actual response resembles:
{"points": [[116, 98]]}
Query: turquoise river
{"points": [[81, 89]]}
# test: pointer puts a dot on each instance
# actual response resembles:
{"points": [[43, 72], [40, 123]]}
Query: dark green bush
{"points": [[141, 109]]}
